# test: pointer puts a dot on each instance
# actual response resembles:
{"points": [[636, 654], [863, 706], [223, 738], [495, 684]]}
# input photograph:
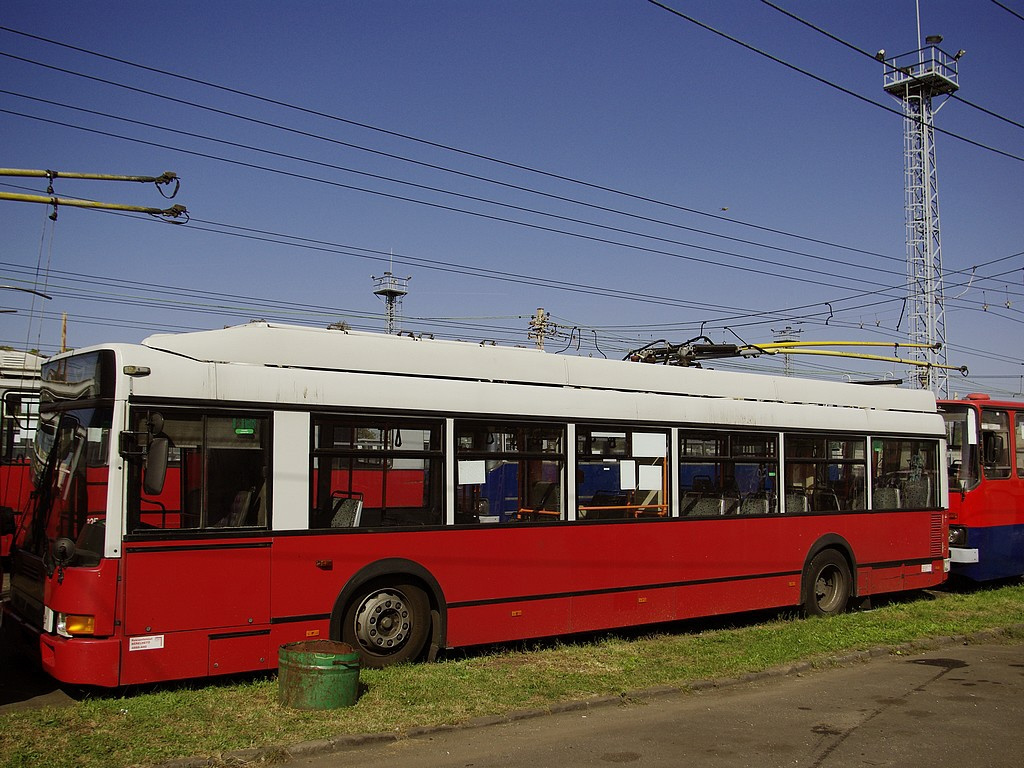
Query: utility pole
{"points": [[541, 327], [914, 79]]}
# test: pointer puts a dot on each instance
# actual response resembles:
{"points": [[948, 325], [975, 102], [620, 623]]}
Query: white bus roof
{"points": [[20, 365], [288, 346]]}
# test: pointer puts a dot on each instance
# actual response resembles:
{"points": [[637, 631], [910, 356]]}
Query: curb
{"points": [[278, 754]]}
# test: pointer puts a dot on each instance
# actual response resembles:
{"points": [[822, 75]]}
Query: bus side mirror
{"points": [[63, 551], [156, 466]]}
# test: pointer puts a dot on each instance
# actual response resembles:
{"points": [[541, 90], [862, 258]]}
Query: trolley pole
{"points": [[166, 178]]}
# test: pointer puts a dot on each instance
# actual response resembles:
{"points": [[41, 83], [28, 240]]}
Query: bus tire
{"points": [[387, 622], [827, 584]]}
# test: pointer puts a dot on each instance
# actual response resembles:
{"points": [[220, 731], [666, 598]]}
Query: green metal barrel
{"points": [[317, 674]]}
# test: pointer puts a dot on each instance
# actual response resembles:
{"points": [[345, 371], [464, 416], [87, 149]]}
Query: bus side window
{"points": [[373, 472], [216, 475], [1019, 439], [995, 443], [509, 472]]}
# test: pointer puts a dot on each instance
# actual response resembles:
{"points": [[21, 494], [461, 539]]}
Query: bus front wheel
{"points": [[388, 623], [827, 584]]}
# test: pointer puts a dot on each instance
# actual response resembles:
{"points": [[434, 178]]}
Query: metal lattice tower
{"points": [[914, 79], [392, 289]]}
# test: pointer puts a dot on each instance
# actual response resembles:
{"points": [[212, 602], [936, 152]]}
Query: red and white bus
{"points": [[985, 440], [19, 412], [204, 498]]}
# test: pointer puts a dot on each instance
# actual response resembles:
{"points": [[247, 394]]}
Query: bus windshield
{"points": [[962, 446], [70, 469]]}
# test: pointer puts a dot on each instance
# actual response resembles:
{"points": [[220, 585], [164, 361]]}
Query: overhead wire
{"points": [[433, 166], [729, 219], [398, 181], [473, 198], [874, 58], [1008, 9], [743, 313], [576, 286], [591, 238], [438, 145], [827, 82], [751, 317]]}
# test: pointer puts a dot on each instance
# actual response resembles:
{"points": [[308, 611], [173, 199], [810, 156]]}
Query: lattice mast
{"points": [[391, 289], [914, 79]]}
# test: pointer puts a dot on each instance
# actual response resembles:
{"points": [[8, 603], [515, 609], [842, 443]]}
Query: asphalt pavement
{"points": [[960, 704]]}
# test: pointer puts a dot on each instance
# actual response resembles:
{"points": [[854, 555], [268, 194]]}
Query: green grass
{"points": [[213, 718]]}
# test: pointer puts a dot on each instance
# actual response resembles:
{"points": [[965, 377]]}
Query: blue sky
{"points": [[756, 197]]}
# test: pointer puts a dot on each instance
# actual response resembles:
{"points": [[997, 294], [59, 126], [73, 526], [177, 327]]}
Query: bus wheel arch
{"points": [[828, 580], [391, 611]]}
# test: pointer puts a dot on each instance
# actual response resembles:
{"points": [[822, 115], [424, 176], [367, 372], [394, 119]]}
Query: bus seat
{"points": [[885, 497], [347, 513], [259, 506], [754, 505], [239, 509], [796, 501], [917, 493], [696, 504], [731, 504], [824, 500]]}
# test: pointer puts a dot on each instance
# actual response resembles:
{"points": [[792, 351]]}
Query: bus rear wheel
{"points": [[387, 623], [827, 584]]}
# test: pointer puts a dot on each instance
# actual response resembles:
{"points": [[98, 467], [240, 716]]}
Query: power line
{"points": [[646, 297], [874, 58], [260, 306], [498, 203], [395, 134], [823, 80], [830, 283], [473, 198], [279, 238], [1008, 10], [433, 166]]}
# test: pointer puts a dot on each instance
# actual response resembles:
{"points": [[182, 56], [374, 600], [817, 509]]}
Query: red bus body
{"points": [[986, 488], [411, 506], [250, 604]]}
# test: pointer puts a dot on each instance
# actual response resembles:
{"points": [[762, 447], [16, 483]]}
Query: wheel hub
{"points": [[825, 588], [382, 621]]}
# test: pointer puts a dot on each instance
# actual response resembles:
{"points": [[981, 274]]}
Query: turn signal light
{"points": [[69, 625]]}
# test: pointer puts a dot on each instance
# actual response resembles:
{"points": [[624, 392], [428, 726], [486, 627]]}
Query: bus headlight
{"points": [[69, 625], [957, 536]]}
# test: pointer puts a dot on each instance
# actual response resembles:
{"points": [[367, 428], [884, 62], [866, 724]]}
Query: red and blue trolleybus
{"points": [[985, 439], [203, 498]]}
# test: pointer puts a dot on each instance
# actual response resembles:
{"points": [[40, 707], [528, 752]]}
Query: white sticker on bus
{"points": [[926, 568], [150, 643]]}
